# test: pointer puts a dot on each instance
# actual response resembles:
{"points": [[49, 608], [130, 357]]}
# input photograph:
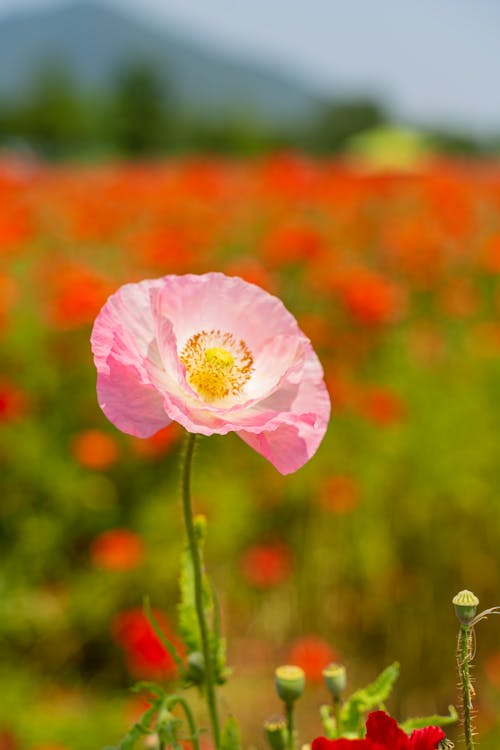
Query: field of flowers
{"points": [[395, 277]]}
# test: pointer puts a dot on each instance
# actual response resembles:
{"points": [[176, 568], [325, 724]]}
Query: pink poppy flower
{"points": [[215, 354], [383, 733]]}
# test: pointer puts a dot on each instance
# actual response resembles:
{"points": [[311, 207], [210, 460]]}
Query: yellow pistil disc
{"points": [[217, 365]]}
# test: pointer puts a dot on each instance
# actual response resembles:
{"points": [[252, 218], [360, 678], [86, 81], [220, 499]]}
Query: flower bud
{"points": [[335, 679], [276, 733], [196, 667], [290, 682], [465, 603]]}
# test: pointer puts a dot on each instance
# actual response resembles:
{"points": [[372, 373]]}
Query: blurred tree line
{"points": [[135, 118]]}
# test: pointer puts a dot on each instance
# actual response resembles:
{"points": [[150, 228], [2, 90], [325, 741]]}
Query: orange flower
{"points": [[117, 549], [459, 298], [157, 445], [382, 406], [339, 494], [492, 668], [75, 295], [312, 653], [290, 244], [12, 402], [369, 297], [490, 257], [95, 449], [266, 565]]}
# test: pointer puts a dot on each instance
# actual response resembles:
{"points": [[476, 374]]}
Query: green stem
{"points": [[336, 715], [465, 682], [290, 725], [198, 588], [172, 701]]}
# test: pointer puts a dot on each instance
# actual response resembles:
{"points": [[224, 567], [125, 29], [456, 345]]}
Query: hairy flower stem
{"points": [[198, 588], [290, 725], [178, 699], [337, 703], [464, 650]]}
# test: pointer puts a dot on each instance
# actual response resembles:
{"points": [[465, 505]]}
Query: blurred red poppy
{"points": [[339, 494], [267, 565], [382, 406], [117, 549], [383, 733], [145, 655], [95, 449], [312, 653], [12, 402]]}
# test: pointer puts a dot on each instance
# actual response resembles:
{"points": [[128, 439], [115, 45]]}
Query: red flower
{"points": [[267, 565], [146, 656], [117, 549], [383, 733], [95, 449], [312, 654]]}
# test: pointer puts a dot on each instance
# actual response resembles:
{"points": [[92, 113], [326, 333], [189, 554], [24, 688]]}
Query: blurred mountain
{"points": [[92, 42]]}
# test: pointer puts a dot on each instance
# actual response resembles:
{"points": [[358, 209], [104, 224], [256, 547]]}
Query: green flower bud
{"points": [[196, 667], [290, 682], [465, 603], [200, 527], [335, 679], [275, 729]]}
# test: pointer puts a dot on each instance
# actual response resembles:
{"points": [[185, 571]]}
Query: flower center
{"points": [[217, 365]]}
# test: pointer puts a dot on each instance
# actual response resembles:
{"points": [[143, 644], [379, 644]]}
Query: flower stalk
{"points": [[209, 682], [465, 603], [289, 681], [464, 655]]}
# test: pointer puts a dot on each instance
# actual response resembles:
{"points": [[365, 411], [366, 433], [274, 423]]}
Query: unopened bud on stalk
{"points": [[465, 603], [276, 732], [196, 667], [290, 682], [335, 679]]}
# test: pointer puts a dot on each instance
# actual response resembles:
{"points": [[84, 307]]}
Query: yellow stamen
{"points": [[216, 364]]}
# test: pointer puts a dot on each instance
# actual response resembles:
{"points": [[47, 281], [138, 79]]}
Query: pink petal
{"points": [[131, 405], [214, 301], [289, 446], [128, 309]]}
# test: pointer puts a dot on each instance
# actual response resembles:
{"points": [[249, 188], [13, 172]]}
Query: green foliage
{"points": [[158, 720], [435, 720], [163, 638], [231, 735], [354, 710], [188, 623], [350, 720]]}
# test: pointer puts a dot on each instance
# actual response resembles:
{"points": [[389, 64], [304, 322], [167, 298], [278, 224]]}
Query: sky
{"points": [[430, 61]]}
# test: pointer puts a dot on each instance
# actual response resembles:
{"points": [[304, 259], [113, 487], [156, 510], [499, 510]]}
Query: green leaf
{"points": [[186, 609], [188, 619], [430, 721], [163, 638], [328, 721], [218, 644], [366, 699], [231, 736]]}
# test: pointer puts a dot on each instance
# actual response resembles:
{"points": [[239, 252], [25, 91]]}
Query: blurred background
{"points": [[344, 157]]}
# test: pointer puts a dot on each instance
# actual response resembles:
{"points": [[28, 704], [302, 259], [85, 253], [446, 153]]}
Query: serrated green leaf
{"points": [[366, 699], [163, 638], [188, 620], [328, 721], [218, 644], [186, 610], [430, 721], [231, 736]]}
